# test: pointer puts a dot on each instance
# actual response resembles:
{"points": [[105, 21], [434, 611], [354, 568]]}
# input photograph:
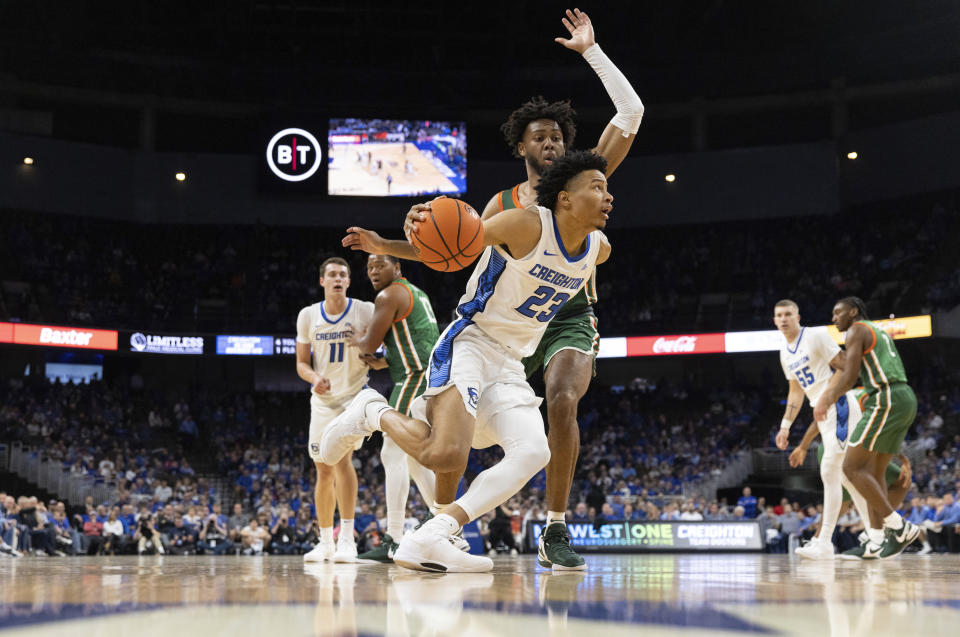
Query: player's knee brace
{"points": [[528, 455]]}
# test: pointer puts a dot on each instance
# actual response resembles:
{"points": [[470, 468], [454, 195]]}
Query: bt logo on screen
{"points": [[294, 154]]}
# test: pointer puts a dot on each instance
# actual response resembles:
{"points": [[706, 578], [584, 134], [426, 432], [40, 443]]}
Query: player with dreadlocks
{"points": [[888, 412], [538, 133]]}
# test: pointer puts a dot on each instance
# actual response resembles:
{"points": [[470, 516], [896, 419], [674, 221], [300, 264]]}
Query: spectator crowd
{"points": [[642, 446], [73, 270]]}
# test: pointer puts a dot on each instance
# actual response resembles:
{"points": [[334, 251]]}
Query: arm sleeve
{"points": [[303, 326], [625, 99]]}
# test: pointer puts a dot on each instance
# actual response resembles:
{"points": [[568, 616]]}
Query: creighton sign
{"points": [[656, 535]]}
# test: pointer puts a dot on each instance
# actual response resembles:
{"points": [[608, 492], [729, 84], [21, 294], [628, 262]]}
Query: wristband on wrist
{"points": [[785, 425]]}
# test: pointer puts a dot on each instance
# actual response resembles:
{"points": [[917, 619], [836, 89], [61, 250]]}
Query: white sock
{"points": [[326, 534], [346, 530], [831, 473], [447, 522], [556, 516], [397, 485], [893, 521], [434, 508], [373, 411], [875, 535], [926, 545]]}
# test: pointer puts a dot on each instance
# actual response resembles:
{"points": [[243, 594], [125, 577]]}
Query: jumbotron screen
{"points": [[396, 157]]}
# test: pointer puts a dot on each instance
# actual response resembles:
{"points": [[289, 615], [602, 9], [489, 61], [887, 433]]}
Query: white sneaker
{"points": [[430, 549], [349, 428], [322, 552], [346, 552], [816, 550]]}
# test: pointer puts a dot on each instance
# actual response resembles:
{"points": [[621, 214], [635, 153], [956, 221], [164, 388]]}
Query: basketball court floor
{"points": [[412, 171], [618, 595]]}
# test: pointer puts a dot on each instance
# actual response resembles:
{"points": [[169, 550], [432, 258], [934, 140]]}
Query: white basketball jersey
{"points": [[807, 360], [333, 358], [512, 300]]}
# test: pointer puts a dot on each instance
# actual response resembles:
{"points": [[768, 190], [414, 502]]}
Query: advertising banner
{"points": [[658, 535], [738, 342], [151, 343], [57, 336], [906, 327], [677, 344], [284, 345], [245, 345]]}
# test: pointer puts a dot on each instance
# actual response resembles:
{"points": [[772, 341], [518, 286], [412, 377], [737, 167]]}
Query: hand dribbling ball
{"points": [[451, 237]]}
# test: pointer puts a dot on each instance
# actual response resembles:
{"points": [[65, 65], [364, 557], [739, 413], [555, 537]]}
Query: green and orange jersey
{"points": [[881, 364], [412, 336], [583, 300]]}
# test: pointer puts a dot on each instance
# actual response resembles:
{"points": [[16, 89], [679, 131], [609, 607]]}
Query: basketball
{"points": [[451, 238]]}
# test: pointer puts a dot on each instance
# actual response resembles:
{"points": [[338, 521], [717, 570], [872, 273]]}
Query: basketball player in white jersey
{"points": [[336, 374], [535, 260], [808, 358]]}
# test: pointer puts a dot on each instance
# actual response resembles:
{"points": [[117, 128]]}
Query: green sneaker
{"points": [[554, 550], [895, 541], [866, 551], [383, 553]]}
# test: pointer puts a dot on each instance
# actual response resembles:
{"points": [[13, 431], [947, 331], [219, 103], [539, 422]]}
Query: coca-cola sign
{"points": [[681, 344], [678, 344]]}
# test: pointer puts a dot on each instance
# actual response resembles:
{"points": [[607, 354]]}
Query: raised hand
{"points": [[581, 31], [366, 240]]}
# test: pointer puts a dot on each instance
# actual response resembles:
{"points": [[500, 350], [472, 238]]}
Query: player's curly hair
{"points": [[538, 108], [556, 177], [857, 303]]}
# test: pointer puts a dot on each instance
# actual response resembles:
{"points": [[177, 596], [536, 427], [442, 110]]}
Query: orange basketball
{"points": [[451, 238]]}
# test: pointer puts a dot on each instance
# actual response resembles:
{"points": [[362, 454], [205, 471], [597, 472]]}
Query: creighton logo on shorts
{"points": [[474, 396], [315, 447]]}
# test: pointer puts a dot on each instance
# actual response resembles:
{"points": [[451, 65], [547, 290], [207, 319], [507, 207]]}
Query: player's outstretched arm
{"points": [[369, 241], [842, 381], [516, 228], [618, 136]]}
